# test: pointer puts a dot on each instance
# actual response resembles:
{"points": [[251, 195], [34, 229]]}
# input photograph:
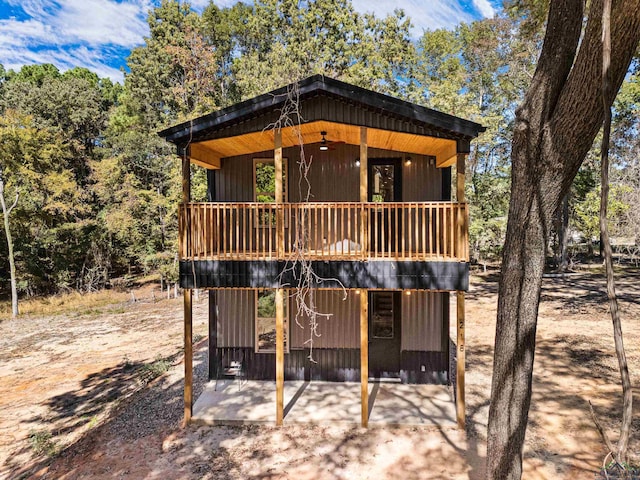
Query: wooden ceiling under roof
{"points": [[208, 153]]}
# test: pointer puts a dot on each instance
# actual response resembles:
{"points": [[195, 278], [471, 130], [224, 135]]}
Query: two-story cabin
{"points": [[372, 215]]}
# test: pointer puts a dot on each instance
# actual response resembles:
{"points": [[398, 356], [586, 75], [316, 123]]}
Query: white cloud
{"points": [[73, 33], [485, 8], [93, 22], [97, 34], [64, 59], [425, 15]]}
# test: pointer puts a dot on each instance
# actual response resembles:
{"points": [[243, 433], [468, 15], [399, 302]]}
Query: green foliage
{"points": [[42, 443], [100, 190], [267, 304], [36, 74], [587, 211], [150, 371]]}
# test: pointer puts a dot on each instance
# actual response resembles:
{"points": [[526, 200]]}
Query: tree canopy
{"points": [[121, 180]]}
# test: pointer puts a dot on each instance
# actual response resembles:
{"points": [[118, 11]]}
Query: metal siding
{"points": [[234, 181], [236, 318], [334, 176], [422, 180], [339, 331], [379, 274], [422, 321]]}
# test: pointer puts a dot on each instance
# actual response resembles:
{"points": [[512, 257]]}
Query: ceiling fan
{"points": [[326, 144]]}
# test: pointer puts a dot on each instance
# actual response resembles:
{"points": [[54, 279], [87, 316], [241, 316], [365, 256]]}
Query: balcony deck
{"points": [[404, 231]]}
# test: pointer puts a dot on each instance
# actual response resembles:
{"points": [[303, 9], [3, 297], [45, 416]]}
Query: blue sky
{"points": [[99, 34]]}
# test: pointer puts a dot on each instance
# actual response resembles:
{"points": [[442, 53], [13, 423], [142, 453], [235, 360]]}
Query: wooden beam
{"points": [[248, 143], [279, 356], [204, 156], [364, 166], [364, 190], [277, 160], [446, 154], [188, 357], [364, 357], [462, 227], [460, 365]]}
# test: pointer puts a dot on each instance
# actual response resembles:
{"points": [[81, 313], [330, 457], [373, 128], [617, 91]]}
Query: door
{"points": [[384, 334], [385, 185]]}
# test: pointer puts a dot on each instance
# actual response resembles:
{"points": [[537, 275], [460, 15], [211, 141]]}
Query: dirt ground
{"points": [[82, 380]]}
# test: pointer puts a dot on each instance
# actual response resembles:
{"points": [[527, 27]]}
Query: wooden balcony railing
{"points": [[415, 231]]}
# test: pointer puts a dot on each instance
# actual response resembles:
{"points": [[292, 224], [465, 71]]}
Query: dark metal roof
{"points": [[319, 84]]}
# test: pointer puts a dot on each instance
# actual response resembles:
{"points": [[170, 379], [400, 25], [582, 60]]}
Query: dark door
{"points": [[384, 334], [385, 185]]}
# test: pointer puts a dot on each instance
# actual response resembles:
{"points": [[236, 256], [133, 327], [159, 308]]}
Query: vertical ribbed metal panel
{"points": [[340, 330], [421, 181], [236, 318], [234, 181], [333, 175], [422, 321]]}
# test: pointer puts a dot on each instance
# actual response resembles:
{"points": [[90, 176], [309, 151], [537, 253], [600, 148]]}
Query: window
{"points": [[266, 322], [382, 315]]}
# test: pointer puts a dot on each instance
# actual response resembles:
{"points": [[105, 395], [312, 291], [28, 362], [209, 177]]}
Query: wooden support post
{"points": [[184, 246], [364, 188], [364, 166], [188, 311], [460, 366], [461, 224], [188, 357], [213, 334], [364, 357], [279, 356], [277, 160]]}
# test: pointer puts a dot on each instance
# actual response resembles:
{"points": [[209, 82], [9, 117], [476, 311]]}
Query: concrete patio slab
{"points": [[253, 402]]}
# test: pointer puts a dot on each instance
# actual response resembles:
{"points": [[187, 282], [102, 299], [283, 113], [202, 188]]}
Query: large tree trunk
{"points": [[6, 211], [555, 127]]}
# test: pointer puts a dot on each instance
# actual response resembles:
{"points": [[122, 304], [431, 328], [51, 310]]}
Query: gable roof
{"points": [[436, 123]]}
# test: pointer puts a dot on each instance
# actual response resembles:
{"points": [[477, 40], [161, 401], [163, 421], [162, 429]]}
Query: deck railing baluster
{"points": [[336, 230]]}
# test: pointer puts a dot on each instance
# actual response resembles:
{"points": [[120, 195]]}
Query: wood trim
{"points": [[364, 165], [188, 356], [204, 156], [364, 189], [364, 357], [277, 158], [461, 214], [279, 356], [460, 365], [446, 154]]}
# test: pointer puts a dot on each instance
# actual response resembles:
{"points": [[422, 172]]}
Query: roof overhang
{"points": [[244, 127], [209, 153]]}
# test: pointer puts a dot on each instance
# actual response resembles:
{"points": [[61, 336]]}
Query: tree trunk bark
{"points": [[6, 211], [564, 237], [554, 129]]}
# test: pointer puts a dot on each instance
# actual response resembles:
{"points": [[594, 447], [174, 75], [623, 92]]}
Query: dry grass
{"points": [[78, 303]]}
